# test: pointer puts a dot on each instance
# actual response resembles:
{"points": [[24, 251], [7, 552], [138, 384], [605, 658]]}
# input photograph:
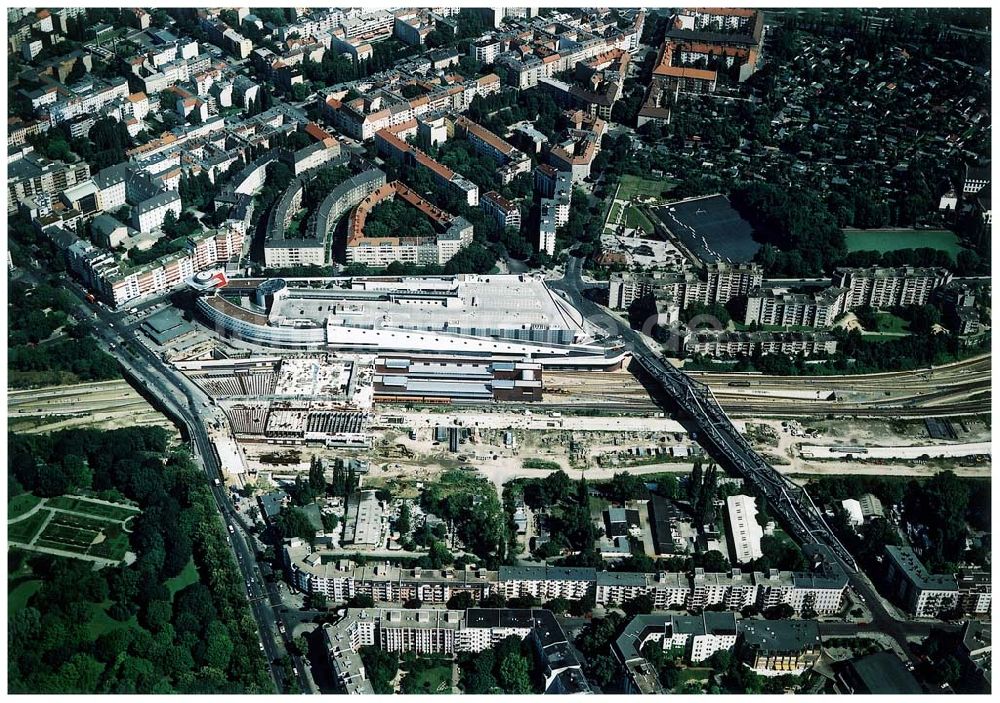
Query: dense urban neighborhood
{"points": [[499, 350]]}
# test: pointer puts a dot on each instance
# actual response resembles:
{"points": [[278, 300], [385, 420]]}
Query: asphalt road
{"points": [[184, 401]]}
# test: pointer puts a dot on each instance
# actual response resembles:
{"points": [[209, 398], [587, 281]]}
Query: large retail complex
{"points": [[499, 316]]}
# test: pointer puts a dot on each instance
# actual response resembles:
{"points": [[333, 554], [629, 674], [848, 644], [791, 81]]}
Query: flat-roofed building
{"points": [[975, 592], [922, 593], [724, 343], [363, 524], [440, 379], [33, 175], [698, 637], [743, 528], [772, 306], [772, 647], [882, 287], [882, 673]]}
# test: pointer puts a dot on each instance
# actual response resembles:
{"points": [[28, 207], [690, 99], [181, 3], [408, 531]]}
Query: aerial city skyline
{"points": [[512, 350]]}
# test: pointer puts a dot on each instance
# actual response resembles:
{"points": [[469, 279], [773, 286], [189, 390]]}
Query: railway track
{"points": [[797, 410], [959, 388], [980, 367]]}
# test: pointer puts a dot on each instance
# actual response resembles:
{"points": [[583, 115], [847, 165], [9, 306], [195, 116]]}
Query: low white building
{"points": [[744, 530], [855, 516]]}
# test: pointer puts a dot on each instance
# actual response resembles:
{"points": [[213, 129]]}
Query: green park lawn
{"points": [[185, 578], [19, 505], [17, 598], [433, 680], [24, 530], [891, 240], [892, 324], [636, 219]]}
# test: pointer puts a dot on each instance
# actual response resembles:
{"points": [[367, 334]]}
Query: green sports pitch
{"points": [[892, 240], [634, 185]]}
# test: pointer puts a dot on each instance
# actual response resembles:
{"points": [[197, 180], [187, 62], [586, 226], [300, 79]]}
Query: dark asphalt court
{"points": [[711, 229]]}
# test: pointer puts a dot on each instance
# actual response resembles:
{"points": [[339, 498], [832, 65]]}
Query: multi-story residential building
{"points": [[666, 589], [485, 50], [149, 214], [556, 190], [771, 306], [453, 233], [887, 287], [717, 283], [412, 27], [18, 130], [309, 25], [726, 36], [820, 589], [391, 145], [283, 248], [117, 283], [733, 591], [977, 177], [362, 118], [227, 39], [368, 26], [423, 631], [503, 212], [88, 98], [699, 637], [779, 646], [531, 58], [596, 85], [313, 571], [546, 582], [769, 647], [576, 152], [922, 593], [511, 161], [723, 343], [975, 592], [341, 200], [32, 175], [449, 632]]}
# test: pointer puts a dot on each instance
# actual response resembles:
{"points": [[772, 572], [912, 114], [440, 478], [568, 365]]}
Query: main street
{"points": [[182, 400], [718, 437]]}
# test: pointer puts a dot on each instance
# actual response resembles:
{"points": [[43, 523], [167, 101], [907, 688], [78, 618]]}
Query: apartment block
{"points": [[33, 175], [771, 306], [887, 287], [500, 210], [546, 582], [922, 593], [716, 283]]}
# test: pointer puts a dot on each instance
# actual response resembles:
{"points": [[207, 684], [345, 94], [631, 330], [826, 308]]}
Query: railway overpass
{"points": [[712, 427], [790, 501]]}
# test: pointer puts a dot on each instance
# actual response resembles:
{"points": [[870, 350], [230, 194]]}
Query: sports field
{"points": [[635, 185], [891, 240]]}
